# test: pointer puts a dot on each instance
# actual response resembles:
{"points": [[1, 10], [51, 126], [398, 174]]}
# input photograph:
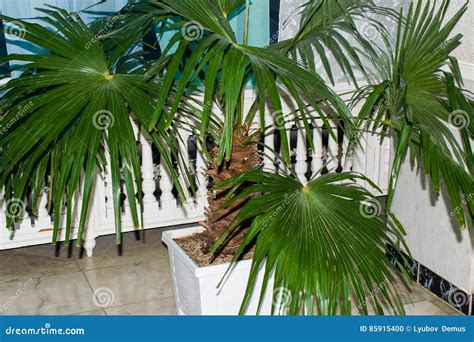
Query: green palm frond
{"points": [[421, 100], [75, 108], [325, 248], [224, 67], [325, 30]]}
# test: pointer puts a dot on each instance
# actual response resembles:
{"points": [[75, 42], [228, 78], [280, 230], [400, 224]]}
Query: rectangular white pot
{"points": [[195, 288]]}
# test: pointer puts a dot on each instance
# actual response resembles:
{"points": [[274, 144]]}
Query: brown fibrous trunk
{"points": [[245, 156]]}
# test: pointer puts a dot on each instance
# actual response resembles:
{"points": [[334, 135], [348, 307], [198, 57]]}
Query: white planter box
{"points": [[195, 288]]}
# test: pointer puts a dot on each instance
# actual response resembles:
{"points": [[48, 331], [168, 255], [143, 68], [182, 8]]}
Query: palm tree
{"points": [[70, 106], [419, 96], [224, 64]]}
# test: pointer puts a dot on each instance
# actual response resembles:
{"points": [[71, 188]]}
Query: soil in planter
{"points": [[194, 245]]}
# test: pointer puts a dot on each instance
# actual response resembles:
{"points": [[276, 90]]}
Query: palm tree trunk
{"points": [[245, 156]]}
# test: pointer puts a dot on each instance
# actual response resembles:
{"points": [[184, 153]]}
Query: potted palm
{"points": [[279, 215], [235, 218]]}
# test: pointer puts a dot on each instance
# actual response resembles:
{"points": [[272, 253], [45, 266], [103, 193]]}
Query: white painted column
{"points": [[148, 182], [3, 219], [109, 206], [317, 153], [166, 185], [93, 223], [43, 220], [201, 179], [301, 155], [268, 155]]}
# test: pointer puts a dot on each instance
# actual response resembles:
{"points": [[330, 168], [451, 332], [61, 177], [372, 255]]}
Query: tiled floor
{"points": [[35, 282]]}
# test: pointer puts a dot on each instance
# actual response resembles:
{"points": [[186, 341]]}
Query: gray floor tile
{"points": [[33, 262], [129, 284], [62, 294], [164, 306]]}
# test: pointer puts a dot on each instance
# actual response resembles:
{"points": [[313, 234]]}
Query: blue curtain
{"points": [[259, 20], [26, 9]]}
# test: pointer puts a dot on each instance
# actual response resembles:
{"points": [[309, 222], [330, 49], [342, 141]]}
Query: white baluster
{"points": [[3, 220], [108, 188], [282, 168], [166, 186], [201, 175], [385, 169], [44, 220], [93, 222], [359, 158], [148, 182], [25, 222], [301, 155], [316, 162], [268, 155], [201, 180], [190, 207]]}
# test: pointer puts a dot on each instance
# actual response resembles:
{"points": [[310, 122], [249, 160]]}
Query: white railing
{"points": [[161, 207]]}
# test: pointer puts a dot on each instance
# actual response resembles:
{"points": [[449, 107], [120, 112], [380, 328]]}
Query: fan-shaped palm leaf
{"points": [[67, 109], [229, 66], [325, 248]]}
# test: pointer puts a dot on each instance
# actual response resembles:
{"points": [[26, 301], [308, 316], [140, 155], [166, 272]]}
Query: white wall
{"points": [[433, 236]]}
